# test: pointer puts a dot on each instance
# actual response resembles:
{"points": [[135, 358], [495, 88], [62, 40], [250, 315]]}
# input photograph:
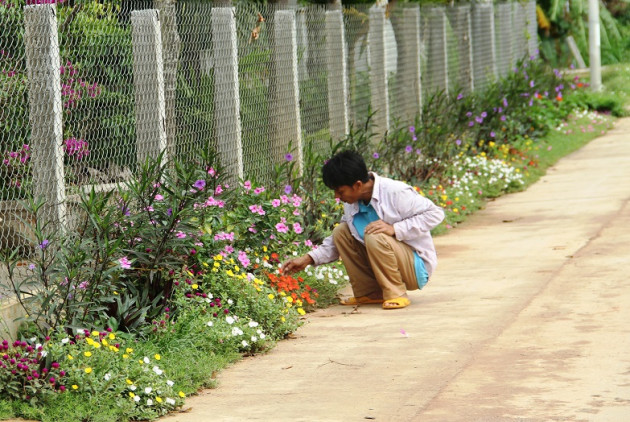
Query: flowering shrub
{"points": [[14, 171], [26, 374]]}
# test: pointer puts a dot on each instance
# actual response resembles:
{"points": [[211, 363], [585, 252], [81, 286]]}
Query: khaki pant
{"points": [[382, 264]]}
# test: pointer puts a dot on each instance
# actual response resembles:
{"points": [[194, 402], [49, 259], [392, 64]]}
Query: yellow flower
{"points": [[157, 356], [205, 264], [115, 293], [96, 345], [112, 336], [236, 268], [158, 399], [230, 273], [301, 311], [455, 210], [264, 248], [217, 265], [283, 319], [125, 356], [105, 343], [129, 382], [88, 370], [113, 349], [218, 257], [75, 387], [89, 341], [131, 394], [189, 273], [87, 354], [181, 394], [290, 299], [140, 361], [270, 296], [195, 286], [95, 333], [70, 357]]}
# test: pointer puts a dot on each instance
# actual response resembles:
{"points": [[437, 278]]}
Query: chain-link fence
{"points": [[88, 90]]}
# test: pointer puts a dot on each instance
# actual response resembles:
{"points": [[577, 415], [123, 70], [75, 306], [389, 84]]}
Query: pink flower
{"points": [[259, 190], [180, 234], [247, 185], [124, 263], [159, 197], [297, 228], [275, 203], [282, 228]]}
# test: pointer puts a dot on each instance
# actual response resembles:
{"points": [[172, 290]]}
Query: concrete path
{"points": [[527, 318]]}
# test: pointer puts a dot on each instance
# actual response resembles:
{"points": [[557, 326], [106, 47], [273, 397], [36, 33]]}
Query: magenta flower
{"points": [[282, 228], [288, 157], [199, 184], [180, 235], [375, 155], [297, 228], [408, 148], [44, 244]]}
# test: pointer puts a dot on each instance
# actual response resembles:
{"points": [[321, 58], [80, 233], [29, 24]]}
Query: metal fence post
{"points": [[227, 101], [44, 93], [484, 52], [285, 109], [409, 74], [336, 61], [170, 52], [148, 75], [378, 73]]}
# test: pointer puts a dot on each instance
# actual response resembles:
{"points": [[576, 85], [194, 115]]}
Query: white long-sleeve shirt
{"points": [[396, 203]]}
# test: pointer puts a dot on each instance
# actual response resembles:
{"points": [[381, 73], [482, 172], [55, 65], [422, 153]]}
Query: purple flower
{"points": [[531, 83], [460, 96], [471, 123], [505, 103], [199, 184], [503, 118], [484, 114], [408, 148], [288, 157], [44, 244], [375, 155], [169, 211], [412, 129], [492, 134], [180, 235], [458, 142], [124, 263], [288, 189]]}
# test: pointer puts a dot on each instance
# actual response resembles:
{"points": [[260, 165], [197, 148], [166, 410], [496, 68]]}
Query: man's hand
{"points": [[297, 264], [379, 226]]}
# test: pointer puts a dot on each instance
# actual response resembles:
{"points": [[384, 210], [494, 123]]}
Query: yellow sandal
{"points": [[397, 303], [361, 300]]}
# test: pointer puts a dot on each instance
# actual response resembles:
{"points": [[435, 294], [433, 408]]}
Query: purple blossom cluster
{"points": [[76, 148]]}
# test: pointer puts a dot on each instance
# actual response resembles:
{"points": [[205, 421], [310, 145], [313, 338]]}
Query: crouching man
{"points": [[384, 237]]}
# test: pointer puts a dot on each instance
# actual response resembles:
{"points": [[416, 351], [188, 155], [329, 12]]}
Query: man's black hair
{"points": [[344, 169]]}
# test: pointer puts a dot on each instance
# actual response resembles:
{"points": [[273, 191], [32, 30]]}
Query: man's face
{"points": [[348, 194]]}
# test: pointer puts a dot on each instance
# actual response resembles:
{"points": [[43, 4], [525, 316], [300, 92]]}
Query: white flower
{"points": [[136, 398], [157, 370], [237, 331], [262, 336], [146, 360], [230, 301], [65, 340], [149, 402], [253, 324], [229, 320], [254, 339], [169, 383], [170, 401], [107, 376], [209, 323], [148, 390], [132, 387], [244, 343]]}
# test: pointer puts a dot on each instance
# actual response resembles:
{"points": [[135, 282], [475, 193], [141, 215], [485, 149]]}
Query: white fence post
{"points": [[42, 61], [286, 107], [379, 98], [409, 73], [336, 61], [170, 52], [227, 101], [484, 52], [148, 75]]}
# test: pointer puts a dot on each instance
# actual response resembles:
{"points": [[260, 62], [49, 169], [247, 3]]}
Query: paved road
{"points": [[526, 318]]}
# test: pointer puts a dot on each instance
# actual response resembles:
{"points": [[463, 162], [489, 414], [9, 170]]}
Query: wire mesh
{"points": [[460, 48], [244, 82]]}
